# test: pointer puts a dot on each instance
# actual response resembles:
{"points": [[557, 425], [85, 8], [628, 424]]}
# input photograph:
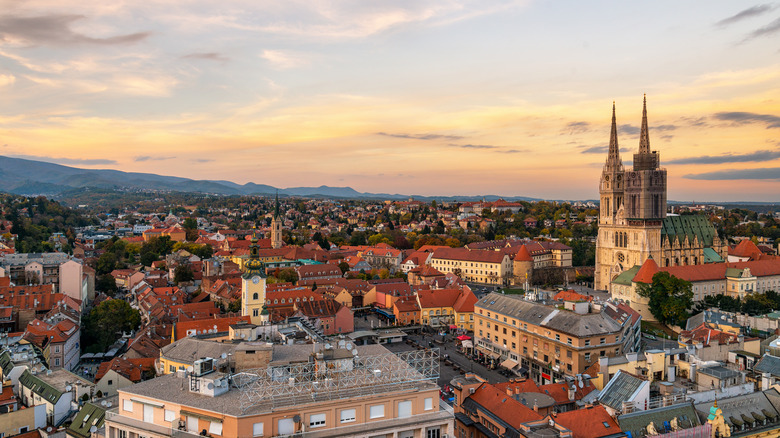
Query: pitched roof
{"points": [[437, 298], [89, 415], [523, 255], [465, 302], [570, 295], [768, 364], [501, 405], [646, 272], [588, 422], [122, 367], [319, 309], [620, 389], [745, 248], [690, 226], [464, 254]]}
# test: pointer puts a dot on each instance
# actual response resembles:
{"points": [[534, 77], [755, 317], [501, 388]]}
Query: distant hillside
{"points": [[30, 177]]}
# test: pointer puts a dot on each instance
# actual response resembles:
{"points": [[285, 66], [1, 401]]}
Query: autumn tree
{"points": [[670, 298]]}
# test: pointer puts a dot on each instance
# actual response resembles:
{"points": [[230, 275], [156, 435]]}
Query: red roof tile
{"points": [[646, 272], [588, 422]]}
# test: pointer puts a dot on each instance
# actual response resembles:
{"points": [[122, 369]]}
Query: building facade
{"points": [[633, 223]]}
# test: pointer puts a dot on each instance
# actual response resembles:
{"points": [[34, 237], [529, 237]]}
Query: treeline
{"points": [[752, 304], [35, 220]]}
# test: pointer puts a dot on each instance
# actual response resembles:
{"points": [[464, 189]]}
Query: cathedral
{"points": [[633, 223]]}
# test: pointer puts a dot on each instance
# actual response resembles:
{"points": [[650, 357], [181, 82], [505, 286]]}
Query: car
{"points": [[651, 337]]}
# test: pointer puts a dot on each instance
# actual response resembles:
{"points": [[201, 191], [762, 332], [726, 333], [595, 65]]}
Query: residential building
{"points": [[548, 341], [292, 395], [487, 267]]}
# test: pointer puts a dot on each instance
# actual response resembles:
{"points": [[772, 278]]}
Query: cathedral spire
{"points": [[644, 137], [276, 207], [613, 155]]}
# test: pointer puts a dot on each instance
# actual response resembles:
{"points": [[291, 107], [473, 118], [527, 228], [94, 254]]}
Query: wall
{"points": [[31, 418]]}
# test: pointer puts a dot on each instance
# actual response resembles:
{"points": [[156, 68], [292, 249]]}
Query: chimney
{"points": [[536, 407], [571, 391], [509, 391]]}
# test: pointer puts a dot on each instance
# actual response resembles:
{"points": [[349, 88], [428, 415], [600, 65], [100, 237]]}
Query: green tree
{"points": [[670, 298], [344, 266], [183, 273], [104, 324], [106, 283]]}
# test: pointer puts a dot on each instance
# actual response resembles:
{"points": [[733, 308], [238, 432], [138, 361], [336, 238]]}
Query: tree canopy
{"points": [[104, 324], [670, 298]]}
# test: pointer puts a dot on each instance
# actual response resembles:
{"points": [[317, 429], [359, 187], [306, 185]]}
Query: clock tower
{"points": [[253, 286]]}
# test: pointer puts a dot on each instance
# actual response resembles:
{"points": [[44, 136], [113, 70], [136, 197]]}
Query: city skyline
{"points": [[430, 98]]}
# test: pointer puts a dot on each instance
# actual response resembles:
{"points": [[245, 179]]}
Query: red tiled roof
{"points": [[503, 406], [523, 255], [746, 248], [588, 422], [201, 325], [406, 305], [319, 309], [437, 298], [570, 295], [466, 301], [646, 272], [466, 255]]}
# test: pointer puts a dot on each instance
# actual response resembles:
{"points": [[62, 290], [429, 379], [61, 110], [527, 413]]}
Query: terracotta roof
{"points": [[437, 298], [121, 366], [319, 309], [406, 305], [707, 335], [464, 254], [523, 255], [201, 325], [588, 422], [465, 302], [746, 248], [570, 295], [503, 406], [646, 272]]}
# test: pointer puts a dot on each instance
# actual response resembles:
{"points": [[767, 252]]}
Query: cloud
{"points": [[770, 173], [74, 161], [203, 160], [476, 146], [514, 151], [769, 29], [663, 128], [744, 117], [728, 158], [577, 127], [599, 149], [210, 56], [7, 80], [422, 136], [55, 30], [747, 13], [628, 129], [283, 60], [149, 158]]}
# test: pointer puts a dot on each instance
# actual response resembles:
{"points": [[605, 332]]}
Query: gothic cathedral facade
{"points": [[633, 221]]}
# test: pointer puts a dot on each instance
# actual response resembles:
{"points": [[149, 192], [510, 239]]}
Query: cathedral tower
{"points": [[632, 210], [276, 227]]}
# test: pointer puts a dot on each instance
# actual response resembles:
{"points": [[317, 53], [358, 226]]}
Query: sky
{"points": [[422, 97]]}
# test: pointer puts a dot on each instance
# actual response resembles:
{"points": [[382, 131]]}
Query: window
{"points": [[587, 357], [172, 368], [316, 420], [568, 354], [433, 432], [347, 415], [525, 351], [376, 411], [603, 341], [255, 296], [148, 414], [557, 337], [255, 312], [257, 429], [170, 416], [110, 382], [215, 428], [286, 426], [405, 409], [429, 403], [192, 424], [568, 341], [127, 405], [587, 342]]}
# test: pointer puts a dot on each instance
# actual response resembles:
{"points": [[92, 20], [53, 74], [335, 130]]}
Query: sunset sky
{"points": [[414, 97]]}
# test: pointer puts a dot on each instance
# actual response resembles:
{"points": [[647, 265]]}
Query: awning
{"points": [[464, 337], [453, 327], [467, 344], [493, 355], [509, 364]]}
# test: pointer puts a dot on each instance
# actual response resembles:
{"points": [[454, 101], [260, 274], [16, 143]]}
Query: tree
{"points": [[106, 323], [670, 298], [106, 283], [344, 266], [183, 273]]}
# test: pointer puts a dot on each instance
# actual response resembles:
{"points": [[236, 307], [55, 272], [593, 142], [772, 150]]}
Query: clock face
{"points": [[255, 279]]}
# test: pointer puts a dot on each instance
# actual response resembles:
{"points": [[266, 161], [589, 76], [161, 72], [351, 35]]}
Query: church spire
{"points": [[644, 137], [613, 156], [276, 207]]}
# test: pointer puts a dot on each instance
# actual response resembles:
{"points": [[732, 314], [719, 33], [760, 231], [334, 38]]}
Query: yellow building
{"points": [[253, 286]]}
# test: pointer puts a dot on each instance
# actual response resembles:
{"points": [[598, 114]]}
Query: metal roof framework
{"points": [[320, 380]]}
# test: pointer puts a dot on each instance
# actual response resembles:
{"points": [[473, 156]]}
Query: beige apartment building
{"points": [[548, 341], [487, 267], [306, 390]]}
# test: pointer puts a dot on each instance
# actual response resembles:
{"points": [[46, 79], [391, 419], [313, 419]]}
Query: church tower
{"points": [[253, 286], [632, 210], [276, 227], [611, 184], [646, 183]]}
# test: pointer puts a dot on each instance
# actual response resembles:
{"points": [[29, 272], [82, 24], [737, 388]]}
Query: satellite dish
{"points": [[189, 369], [215, 327], [580, 384], [210, 386], [108, 404], [342, 344], [103, 403], [349, 345], [68, 388], [93, 429], [224, 356], [297, 418], [243, 335], [354, 352]]}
